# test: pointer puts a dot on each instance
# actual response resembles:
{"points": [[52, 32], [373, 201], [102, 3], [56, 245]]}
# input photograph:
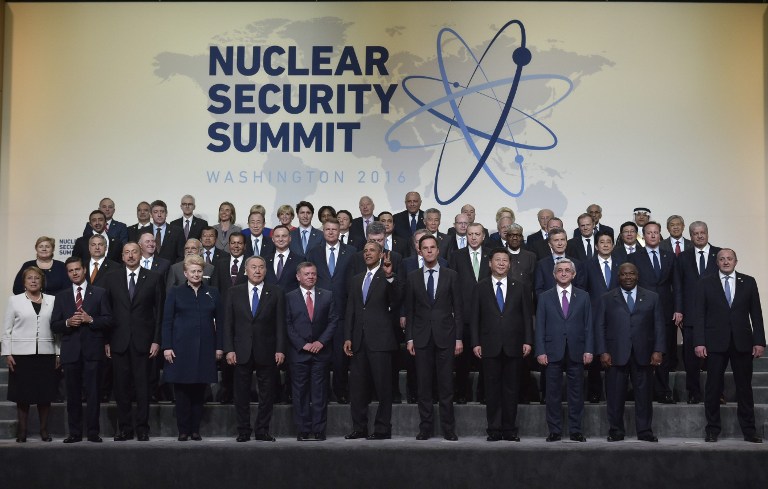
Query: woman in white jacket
{"points": [[31, 352]]}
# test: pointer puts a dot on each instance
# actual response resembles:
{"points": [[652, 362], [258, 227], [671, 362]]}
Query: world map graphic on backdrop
{"points": [[514, 163]]}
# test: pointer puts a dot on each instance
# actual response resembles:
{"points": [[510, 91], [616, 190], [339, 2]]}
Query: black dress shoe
{"points": [[615, 437], [183, 437], [668, 399], [493, 437], [379, 436], [94, 438], [753, 439], [45, 436], [648, 437], [123, 436], [263, 437], [694, 398], [319, 436], [73, 439], [142, 437], [342, 400], [450, 436], [511, 437], [411, 400], [355, 435], [303, 436], [710, 437], [594, 399], [461, 400], [398, 399], [423, 435], [196, 437], [243, 437], [21, 439], [554, 437], [577, 437]]}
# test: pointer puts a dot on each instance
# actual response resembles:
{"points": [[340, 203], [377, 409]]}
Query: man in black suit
{"points": [[582, 247], [211, 254], [136, 297], [544, 279], [729, 328], [282, 263], [541, 248], [656, 272], [332, 260], [169, 240], [369, 341], [629, 334], [499, 238], [115, 229], [254, 339], [627, 243], [471, 265], [676, 243], [144, 217], [596, 212], [311, 320], [81, 315], [99, 266], [149, 260], [345, 236], [543, 216], [412, 218], [257, 243], [97, 222], [434, 331], [697, 261], [456, 240], [502, 334], [305, 237], [432, 219], [360, 224], [392, 242], [191, 224]]}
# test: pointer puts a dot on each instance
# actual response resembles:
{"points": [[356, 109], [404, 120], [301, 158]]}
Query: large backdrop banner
{"points": [[525, 105]]}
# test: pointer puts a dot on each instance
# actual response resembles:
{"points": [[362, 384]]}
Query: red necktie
{"points": [[677, 248], [310, 305], [79, 299]]}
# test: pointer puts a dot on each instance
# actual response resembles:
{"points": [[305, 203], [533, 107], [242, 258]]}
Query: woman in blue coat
{"points": [[191, 345]]}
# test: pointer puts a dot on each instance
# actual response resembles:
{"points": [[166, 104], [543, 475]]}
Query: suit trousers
{"points": [[265, 380], [189, 407], [741, 364], [574, 372], [693, 364], [79, 375], [430, 360], [668, 362], [371, 367], [616, 380], [309, 382], [463, 388], [340, 362], [132, 371], [502, 389]]}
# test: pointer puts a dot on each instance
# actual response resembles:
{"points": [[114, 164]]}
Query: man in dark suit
{"points": [[502, 334], [629, 333], [728, 327], [345, 236], [254, 339], [412, 218], [256, 243], [191, 225], [596, 212], [311, 320], [544, 280], [115, 229], [499, 238], [136, 297], [98, 266], [228, 272], [676, 243], [456, 240], [471, 265], [359, 225], [564, 341], [169, 240], [176, 276], [81, 315], [97, 222], [434, 331], [305, 237], [392, 242], [432, 219], [627, 243], [541, 248], [656, 272], [602, 276], [543, 216], [369, 341], [282, 263], [150, 261], [144, 217], [210, 253], [697, 261], [332, 260], [582, 247]]}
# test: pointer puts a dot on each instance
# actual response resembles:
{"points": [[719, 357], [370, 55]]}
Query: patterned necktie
{"points": [[132, 286], [630, 301], [94, 271], [158, 241], [186, 229], [79, 299], [656, 265], [462, 242], [280, 265], [332, 261], [566, 305], [233, 271], [310, 306], [255, 301], [702, 265], [366, 286], [256, 246], [677, 248], [146, 263], [728, 296], [607, 271], [431, 286], [499, 296], [208, 256]]}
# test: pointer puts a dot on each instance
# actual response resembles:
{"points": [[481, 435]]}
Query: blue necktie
{"points": [[607, 271], [630, 301], [256, 247], [366, 286], [255, 301], [332, 262], [462, 242], [728, 296], [304, 240], [431, 286], [656, 265], [413, 224], [499, 296]]}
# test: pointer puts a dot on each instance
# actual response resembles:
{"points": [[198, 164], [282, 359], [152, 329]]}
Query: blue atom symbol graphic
{"points": [[455, 93]]}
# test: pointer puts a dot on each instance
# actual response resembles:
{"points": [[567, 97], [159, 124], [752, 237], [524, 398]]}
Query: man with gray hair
{"points": [[676, 243], [192, 226], [176, 274]]}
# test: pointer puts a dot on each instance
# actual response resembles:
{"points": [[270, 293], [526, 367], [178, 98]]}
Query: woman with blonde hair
{"points": [[54, 271]]}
